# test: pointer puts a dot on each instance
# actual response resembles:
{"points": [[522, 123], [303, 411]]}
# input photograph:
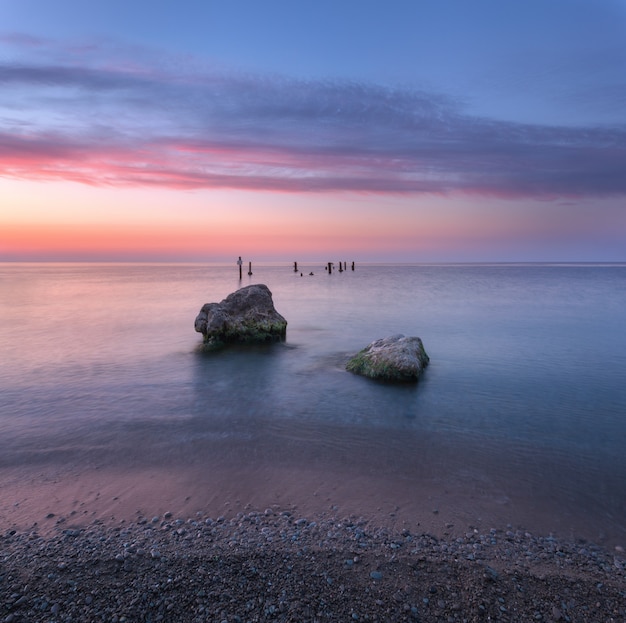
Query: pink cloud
{"points": [[109, 122]]}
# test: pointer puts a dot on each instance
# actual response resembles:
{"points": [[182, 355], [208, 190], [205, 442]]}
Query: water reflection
{"points": [[524, 395]]}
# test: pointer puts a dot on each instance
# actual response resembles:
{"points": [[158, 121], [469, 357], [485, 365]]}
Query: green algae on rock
{"points": [[393, 358]]}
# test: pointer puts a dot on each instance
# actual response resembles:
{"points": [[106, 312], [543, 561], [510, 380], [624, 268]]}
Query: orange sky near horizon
{"points": [[68, 221]]}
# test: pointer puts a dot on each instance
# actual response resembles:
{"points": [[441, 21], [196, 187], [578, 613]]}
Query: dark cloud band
{"points": [[115, 122]]}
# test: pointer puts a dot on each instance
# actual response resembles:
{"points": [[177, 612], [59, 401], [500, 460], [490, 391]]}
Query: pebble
{"points": [[220, 573]]}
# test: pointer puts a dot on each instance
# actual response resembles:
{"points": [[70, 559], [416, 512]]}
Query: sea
{"points": [[522, 408]]}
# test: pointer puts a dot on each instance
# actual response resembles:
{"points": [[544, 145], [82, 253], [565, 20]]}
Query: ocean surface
{"points": [[524, 400]]}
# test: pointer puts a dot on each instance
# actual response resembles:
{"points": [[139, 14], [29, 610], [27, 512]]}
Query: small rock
{"points": [[394, 358]]}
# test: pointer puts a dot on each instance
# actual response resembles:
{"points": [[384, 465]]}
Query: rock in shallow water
{"points": [[393, 358], [247, 315]]}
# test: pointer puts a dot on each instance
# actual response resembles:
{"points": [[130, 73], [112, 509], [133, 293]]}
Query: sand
{"points": [[162, 545]]}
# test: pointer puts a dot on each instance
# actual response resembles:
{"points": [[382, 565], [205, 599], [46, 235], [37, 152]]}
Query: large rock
{"points": [[247, 315], [394, 358]]}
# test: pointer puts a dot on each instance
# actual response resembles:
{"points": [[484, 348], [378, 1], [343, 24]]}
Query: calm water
{"points": [[100, 365]]}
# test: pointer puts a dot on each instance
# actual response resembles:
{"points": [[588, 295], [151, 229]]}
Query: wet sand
{"points": [[41, 497]]}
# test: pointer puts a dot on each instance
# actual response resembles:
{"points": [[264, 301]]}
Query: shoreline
{"points": [[158, 545], [44, 497], [276, 565]]}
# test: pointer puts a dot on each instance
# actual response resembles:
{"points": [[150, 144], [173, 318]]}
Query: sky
{"points": [[284, 130]]}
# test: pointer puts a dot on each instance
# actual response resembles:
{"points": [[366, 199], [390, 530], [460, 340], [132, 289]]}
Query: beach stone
{"points": [[393, 358], [245, 316]]}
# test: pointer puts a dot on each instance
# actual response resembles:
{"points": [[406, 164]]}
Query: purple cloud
{"points": [[108, 121]]}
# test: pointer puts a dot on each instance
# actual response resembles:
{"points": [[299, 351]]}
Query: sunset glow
{"points": [[132, 151]]}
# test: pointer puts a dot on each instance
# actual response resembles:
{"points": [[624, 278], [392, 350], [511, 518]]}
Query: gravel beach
{"points": [[274, 565]]}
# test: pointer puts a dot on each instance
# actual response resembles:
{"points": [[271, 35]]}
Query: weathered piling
{"points": [[330, 267], [295, 267], [249, 268], [240, 264]]}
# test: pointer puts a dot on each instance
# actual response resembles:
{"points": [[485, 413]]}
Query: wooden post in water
{"points": [[240, 264], [249, 268], [340, 267], [295, 267], [352, 265], [330, 267]]}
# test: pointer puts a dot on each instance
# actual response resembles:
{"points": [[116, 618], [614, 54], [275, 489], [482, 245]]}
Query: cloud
{"points": [[101, 119]]}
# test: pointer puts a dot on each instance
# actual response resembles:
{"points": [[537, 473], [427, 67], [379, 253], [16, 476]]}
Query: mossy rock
{"points": [[394, 358]]}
